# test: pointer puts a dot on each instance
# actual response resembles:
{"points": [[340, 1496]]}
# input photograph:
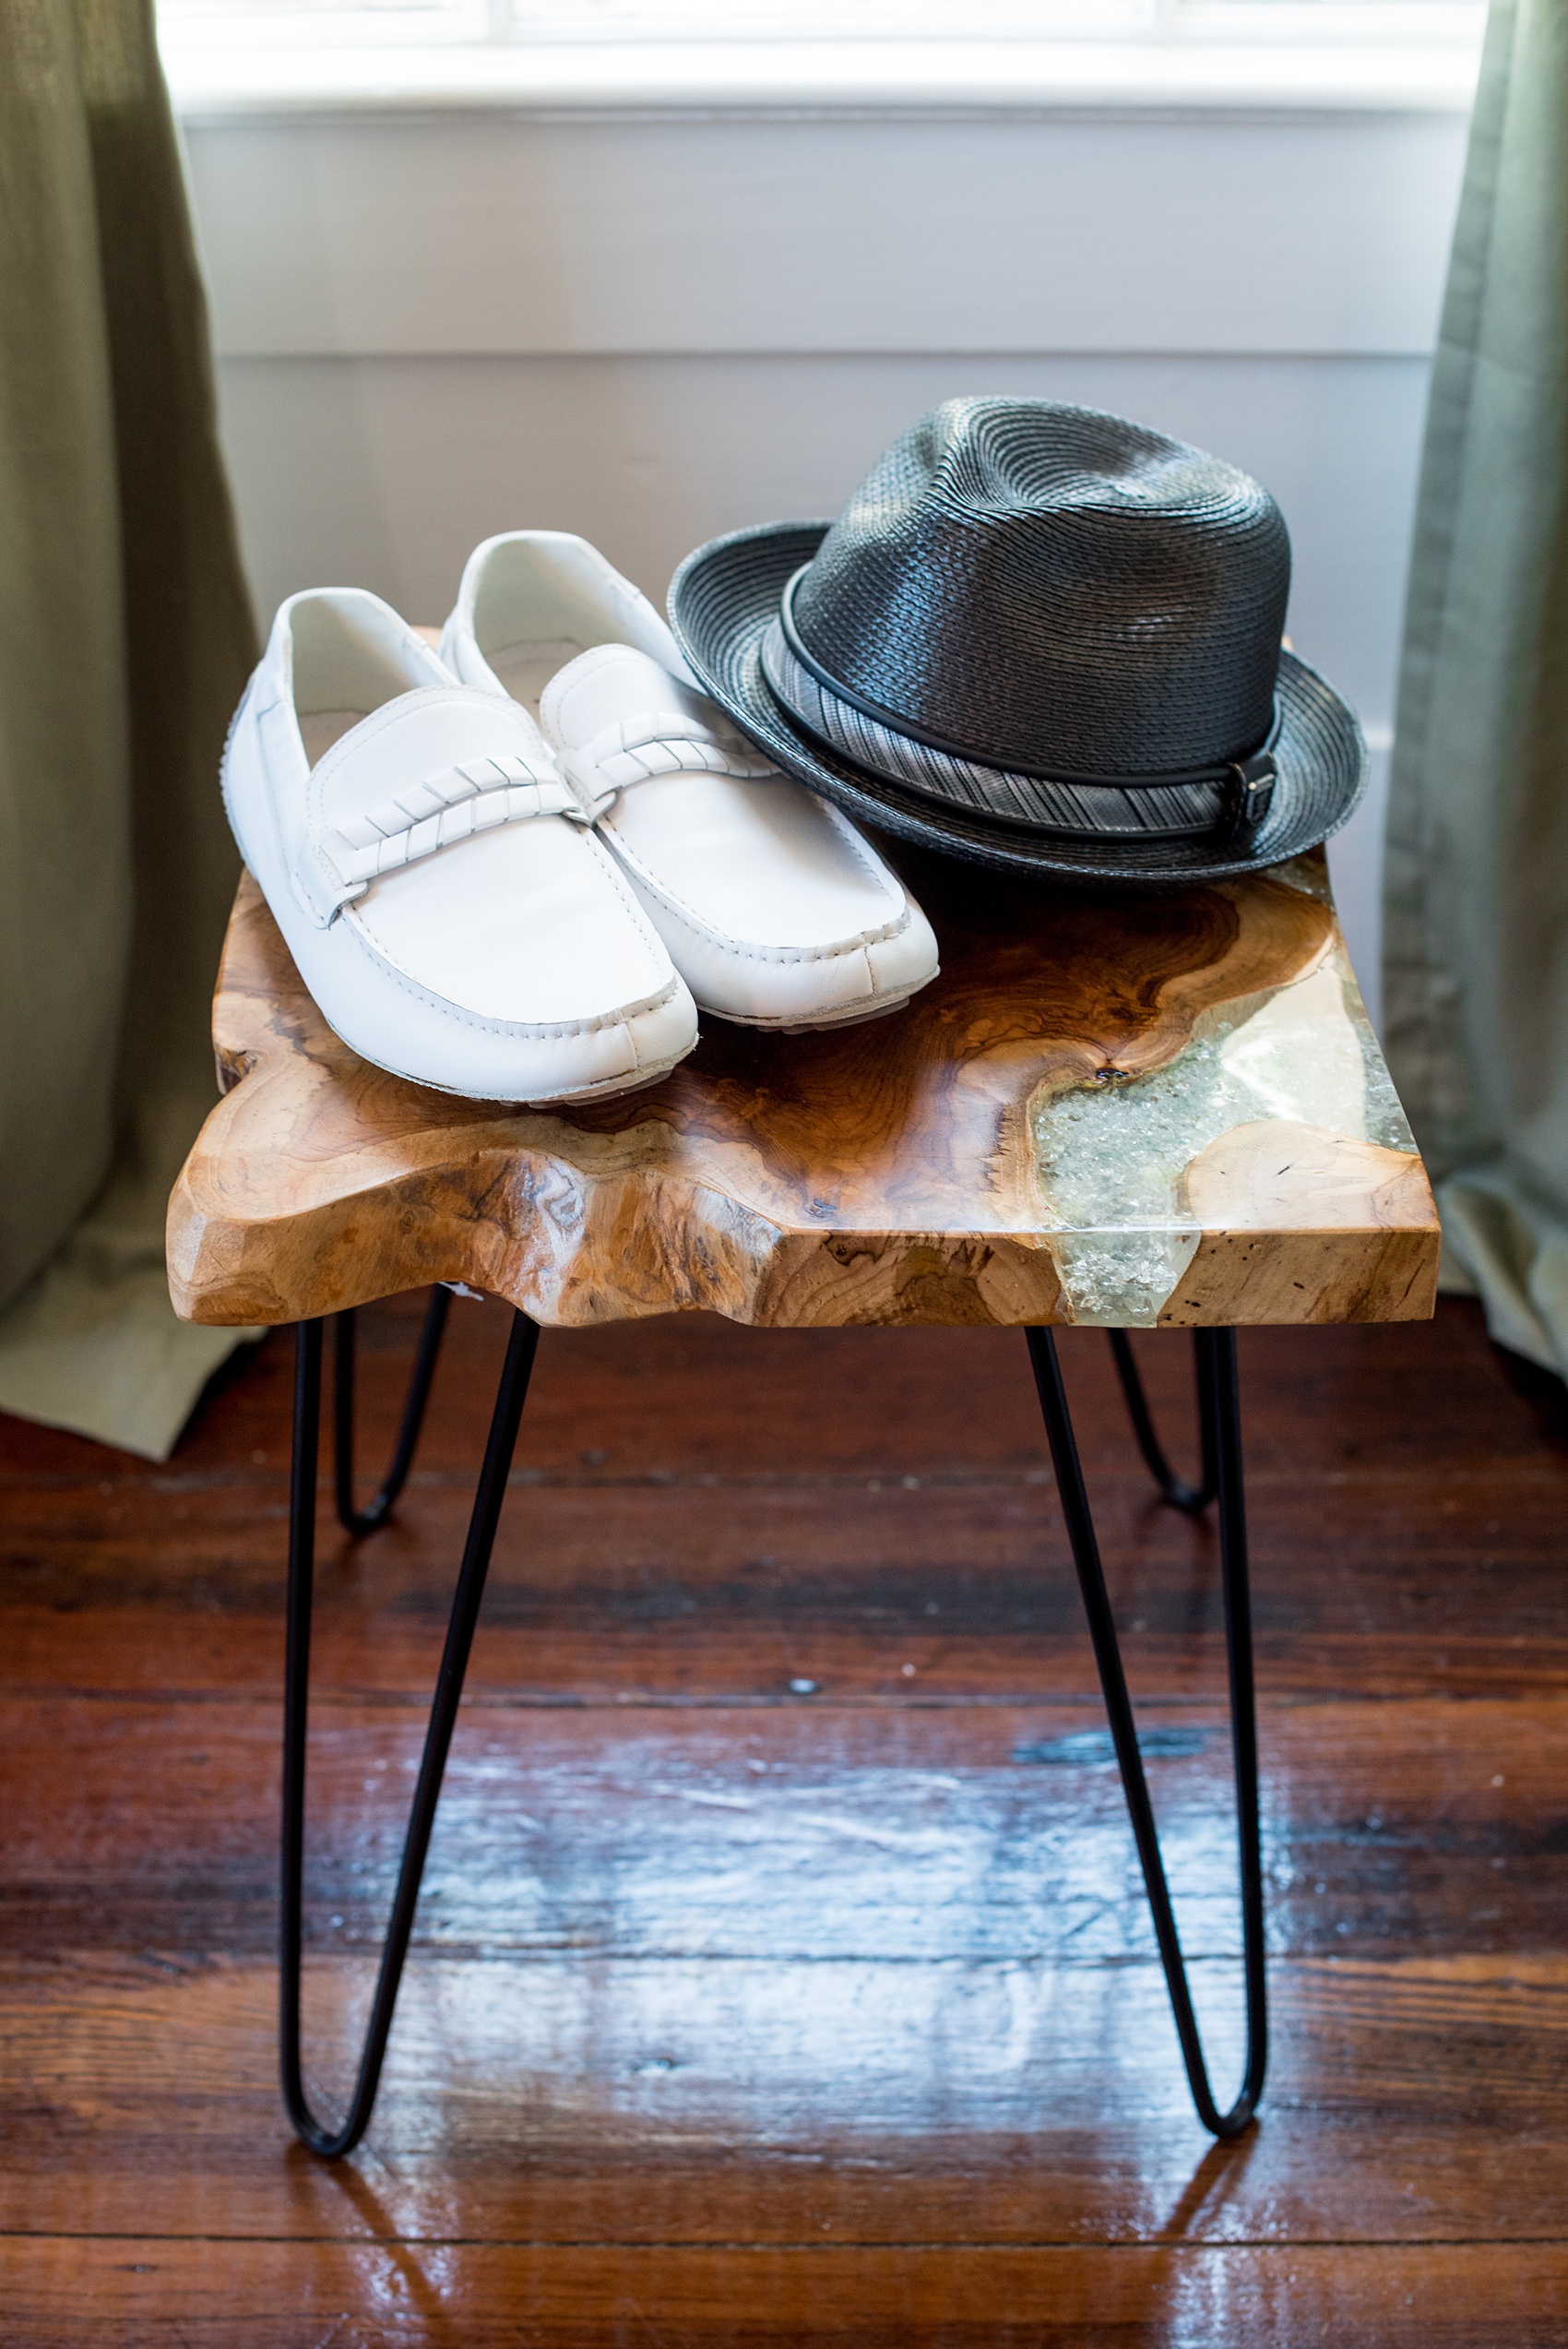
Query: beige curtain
{"points": [[125, 636]]}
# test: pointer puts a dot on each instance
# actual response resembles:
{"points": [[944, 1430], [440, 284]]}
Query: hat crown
{"points": [[1053, 590]]}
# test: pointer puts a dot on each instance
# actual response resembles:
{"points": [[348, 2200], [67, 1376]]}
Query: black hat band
{"points": [[1229, 798]]}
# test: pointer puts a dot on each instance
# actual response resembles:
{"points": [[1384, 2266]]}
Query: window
{"points": [[1442, 22], [806, 54]]}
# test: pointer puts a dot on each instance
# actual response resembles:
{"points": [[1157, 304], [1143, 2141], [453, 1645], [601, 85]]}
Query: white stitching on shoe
{"points": [[743, 950]]}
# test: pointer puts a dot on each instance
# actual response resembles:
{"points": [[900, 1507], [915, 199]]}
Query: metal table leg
{"points": [[377, 1510], [1221, 1430], [1175, 1489], [1219, 1404], [466, 1600]]}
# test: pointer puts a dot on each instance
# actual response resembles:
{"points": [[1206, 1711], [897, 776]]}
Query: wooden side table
{"points": [[1132, 1109]]}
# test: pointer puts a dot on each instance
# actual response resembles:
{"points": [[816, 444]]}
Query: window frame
{"points": [[268, 58]]}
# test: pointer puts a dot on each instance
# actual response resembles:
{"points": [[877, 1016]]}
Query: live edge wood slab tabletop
{"points": [[1130, 1108]]}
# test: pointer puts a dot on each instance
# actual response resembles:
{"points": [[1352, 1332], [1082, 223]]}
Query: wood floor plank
{"points": [[218, 1542], [741, 2012], [710, 1589], [689, 2101], [333, 2295], [127, 1651], [693, 1394], [797, 1831]]}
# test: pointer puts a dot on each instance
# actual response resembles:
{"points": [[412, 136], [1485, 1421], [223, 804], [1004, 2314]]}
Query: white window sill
{"points": [[213, 77]]}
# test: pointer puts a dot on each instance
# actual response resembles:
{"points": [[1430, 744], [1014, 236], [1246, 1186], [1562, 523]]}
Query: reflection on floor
{"points": [[783, 1973]]}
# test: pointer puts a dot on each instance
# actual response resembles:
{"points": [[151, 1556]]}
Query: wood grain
{"points": [[492, 2296], [700, 1511], [802, 1832], [743, 2015], [554, 2102], [887, 1173]]}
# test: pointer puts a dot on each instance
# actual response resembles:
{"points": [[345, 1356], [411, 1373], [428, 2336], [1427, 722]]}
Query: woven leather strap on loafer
{"points": [[507, 776], [659, 742]]}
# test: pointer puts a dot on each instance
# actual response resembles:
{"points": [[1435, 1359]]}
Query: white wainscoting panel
{"points": [[478, 234]]}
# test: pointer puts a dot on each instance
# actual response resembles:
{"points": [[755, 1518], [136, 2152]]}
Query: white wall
{"points": [[653, 331]]}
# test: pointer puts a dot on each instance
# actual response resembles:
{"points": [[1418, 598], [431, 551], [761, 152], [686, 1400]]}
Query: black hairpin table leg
{"points": [[466, 1600], [1218, 1386], [378, 1508], [1174, 1488]]}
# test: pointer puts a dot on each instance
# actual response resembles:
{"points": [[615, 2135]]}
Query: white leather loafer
{"points": [[436, 877], [774, 908]]}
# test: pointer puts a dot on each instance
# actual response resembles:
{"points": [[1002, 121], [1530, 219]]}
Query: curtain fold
{"points": [[1475, 898], [125, 637]]}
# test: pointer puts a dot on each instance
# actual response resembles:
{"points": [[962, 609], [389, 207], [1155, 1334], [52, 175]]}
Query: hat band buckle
{"points": [[1248, 792]]}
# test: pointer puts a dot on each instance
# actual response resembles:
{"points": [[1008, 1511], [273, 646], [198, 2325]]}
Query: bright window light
{"points": [[1446, 23]]}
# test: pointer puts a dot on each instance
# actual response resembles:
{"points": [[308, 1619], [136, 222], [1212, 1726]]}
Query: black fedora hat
{"points": [[1040, 638]]}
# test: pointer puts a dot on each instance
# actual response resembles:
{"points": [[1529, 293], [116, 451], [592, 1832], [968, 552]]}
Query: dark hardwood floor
{"points": [[778, 1980]]}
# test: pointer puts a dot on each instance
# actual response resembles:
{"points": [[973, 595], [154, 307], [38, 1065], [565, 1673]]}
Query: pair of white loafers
{"points": [[518, 869]]}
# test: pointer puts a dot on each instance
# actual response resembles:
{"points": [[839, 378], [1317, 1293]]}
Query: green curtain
{"points": [[1476, 906], [125, 636]]}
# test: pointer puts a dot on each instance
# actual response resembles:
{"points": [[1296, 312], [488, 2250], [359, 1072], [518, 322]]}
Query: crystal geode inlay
{"points": [[1111, 1155]]}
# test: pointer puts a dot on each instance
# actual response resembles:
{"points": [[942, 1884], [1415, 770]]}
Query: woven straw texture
{"points": [[1054, 590], [725, 598]]}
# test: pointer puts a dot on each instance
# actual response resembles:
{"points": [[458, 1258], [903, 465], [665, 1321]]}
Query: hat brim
{"points": [[724, 598]]}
